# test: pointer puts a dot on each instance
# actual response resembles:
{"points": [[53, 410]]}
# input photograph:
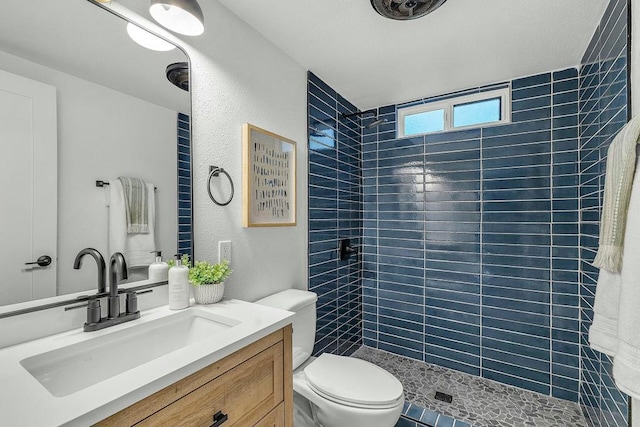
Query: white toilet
{"points": [[334, 391]]}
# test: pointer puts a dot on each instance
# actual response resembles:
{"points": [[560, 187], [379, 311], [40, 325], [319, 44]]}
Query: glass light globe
{"points": [[183, 17], [146, 39]]}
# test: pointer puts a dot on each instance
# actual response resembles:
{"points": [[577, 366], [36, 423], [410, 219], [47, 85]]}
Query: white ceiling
{"points": [[374, 61], [370, 60]]}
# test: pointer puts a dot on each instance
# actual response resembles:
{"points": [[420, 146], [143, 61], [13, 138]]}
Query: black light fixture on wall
{"points": [[180, 16]]}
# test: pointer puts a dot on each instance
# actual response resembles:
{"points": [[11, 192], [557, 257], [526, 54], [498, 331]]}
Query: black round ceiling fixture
{"points": [[178, 74], [405, 9]]}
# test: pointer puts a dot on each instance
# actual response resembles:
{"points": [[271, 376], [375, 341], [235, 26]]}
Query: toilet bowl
{"points": [[331, 390], [344, 391]]}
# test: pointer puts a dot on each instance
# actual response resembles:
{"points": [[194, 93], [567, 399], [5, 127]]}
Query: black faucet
{"points": [[102, 278], [117, 264], [117, 272]]}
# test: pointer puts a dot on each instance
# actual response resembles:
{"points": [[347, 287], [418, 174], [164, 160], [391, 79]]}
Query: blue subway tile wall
{"points": [[475, 244], [335, 213], [417, 416], [470, 241], [603, 111], [185, 217]]}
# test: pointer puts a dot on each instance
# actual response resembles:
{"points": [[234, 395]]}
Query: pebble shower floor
{"points": [[477, 402]]}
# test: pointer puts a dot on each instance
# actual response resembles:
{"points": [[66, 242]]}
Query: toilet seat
{"points": [[353, 382]]}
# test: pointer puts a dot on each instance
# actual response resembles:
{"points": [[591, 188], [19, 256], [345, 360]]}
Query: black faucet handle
{"points": [[94, 311], [131, 301]]}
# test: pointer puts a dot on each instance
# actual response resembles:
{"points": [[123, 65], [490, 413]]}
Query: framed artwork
{"points": [[269, 178]]}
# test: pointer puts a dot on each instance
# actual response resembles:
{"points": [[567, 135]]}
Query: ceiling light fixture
{"points": [[181, 16], [178, 74], [145, 39], [405, 9]]}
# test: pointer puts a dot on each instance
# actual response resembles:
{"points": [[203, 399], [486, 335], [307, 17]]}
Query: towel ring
{"points": [[216, 171]]}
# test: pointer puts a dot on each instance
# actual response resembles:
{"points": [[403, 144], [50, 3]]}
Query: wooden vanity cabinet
{"points": [[251, 387]]}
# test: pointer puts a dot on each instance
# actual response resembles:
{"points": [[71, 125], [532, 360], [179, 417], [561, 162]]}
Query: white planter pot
{"points": [[208, 294]]}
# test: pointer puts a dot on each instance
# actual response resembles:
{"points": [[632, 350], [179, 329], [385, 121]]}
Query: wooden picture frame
{"points": [[269, 181]]}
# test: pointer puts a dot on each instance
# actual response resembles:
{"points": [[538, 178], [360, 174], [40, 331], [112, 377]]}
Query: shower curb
{"points": [[417, 416]]}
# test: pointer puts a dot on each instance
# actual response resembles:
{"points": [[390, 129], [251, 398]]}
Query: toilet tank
{"points": [[303, 304]]}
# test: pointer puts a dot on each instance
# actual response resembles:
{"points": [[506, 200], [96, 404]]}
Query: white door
{"points": [[28, 188]]}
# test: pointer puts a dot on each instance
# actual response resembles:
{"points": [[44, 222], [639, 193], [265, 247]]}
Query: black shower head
{"points": [[376, 121]]}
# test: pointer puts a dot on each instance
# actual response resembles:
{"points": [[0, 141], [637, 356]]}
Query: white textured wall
{"points": [[238, 76], [103, 134], [241, 77]]}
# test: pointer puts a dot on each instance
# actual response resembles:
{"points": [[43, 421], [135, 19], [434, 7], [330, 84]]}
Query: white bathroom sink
{"points": [[72, 368]]}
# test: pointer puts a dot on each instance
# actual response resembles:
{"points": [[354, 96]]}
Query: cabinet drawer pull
{"points": [[219, 418]]}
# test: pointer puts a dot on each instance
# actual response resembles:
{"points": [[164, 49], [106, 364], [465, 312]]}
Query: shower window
{"points": [[477, 112], [481, 109], [427, 121]]}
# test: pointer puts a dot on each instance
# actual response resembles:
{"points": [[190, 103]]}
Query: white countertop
{"points": [[25, 402]]}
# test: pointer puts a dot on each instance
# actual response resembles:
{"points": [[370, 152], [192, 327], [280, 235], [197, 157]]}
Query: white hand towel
{"points": [[136, 204], [621, 161], [626, 364], [616, 321], [603, 333], [136, 248]]}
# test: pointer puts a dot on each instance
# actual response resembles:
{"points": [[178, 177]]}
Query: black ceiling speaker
{"points": [[405, 9], [178, 74]]}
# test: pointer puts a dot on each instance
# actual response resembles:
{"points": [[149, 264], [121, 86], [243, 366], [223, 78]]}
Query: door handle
{"points": [[219, 418], [42, 261]]}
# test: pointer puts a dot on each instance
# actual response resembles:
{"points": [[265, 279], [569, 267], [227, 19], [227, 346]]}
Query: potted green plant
{"points": [[207, 279]]}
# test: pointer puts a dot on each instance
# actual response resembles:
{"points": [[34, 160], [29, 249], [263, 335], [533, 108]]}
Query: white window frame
{"points": [[447, 105]]}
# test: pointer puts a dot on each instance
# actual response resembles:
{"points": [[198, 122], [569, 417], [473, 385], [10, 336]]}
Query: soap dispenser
{"points": [[178, 286], [159, 270]]}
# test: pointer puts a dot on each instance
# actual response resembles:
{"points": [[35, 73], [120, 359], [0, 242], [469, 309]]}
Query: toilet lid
{"points": [[351, 380]]}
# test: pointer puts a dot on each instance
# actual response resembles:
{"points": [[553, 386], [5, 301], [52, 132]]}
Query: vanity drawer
{"points": [[246, 386], [245, 394], [274, 418]]}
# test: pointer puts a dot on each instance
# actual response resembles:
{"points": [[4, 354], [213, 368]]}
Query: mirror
{"points": [[81, 102]]}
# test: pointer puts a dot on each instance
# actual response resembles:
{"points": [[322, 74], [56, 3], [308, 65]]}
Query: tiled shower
{"points": [[472, 239], [475, 244], [335, 213], [604, 95]]}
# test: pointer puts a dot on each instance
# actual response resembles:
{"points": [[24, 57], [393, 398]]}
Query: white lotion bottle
{"points": [[178, 286], [159, 270]]}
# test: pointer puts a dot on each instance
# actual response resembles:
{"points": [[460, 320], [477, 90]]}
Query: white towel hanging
{"points": [[136, 248]]}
